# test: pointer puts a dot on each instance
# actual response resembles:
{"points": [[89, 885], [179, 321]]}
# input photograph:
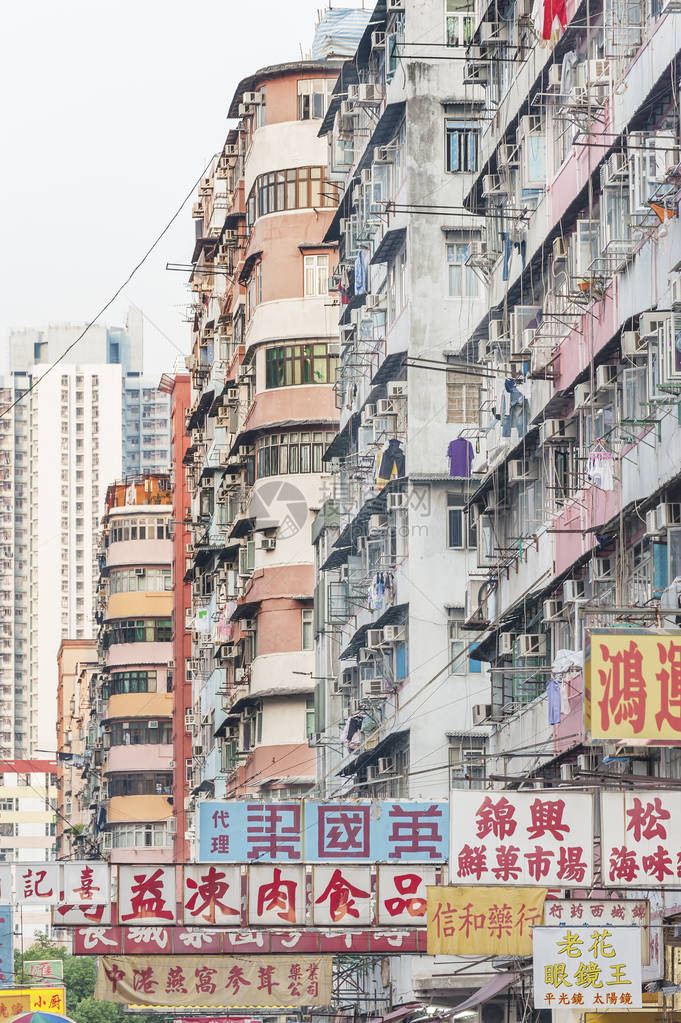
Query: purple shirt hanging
{"points": [[460, 454]]}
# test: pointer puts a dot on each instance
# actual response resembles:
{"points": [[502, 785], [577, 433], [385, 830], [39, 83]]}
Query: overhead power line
{"points": [[35, 383]]}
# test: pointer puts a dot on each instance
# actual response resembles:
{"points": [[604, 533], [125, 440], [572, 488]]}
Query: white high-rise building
{"points": [[75, 429]]}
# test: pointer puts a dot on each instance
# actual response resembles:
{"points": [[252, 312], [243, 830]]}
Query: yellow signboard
{"points": [[16, 1000], [633, 685], [215, 982], [483, 921]]}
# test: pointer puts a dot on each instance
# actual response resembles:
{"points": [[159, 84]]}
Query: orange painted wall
{"points": [[293, 759], [282, 94], [278, 236], [279, 626], [268, 583], [314, 404]]}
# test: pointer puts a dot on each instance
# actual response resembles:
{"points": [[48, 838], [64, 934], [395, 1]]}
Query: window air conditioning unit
{"points": [[507, 155], [652, 528], [382, 154], [560, 248], [376, 302], [496, 331], [397, 388], [649, 323], [365, 654], [337, 687], [602, 569], [384, 407], [252, 98], [371, 688], [347, 108], [551, 430], [374, 638], [506, 644], [667, 514], [397, 501], [482, 712], [378, 40], [197, 750], [245, 109], [367, 414], [268, 543], [531, 645], [393, 633], [377, 523], [152, 724], [248, 625], [552, 609], [370, 93], [606, 376], [386, 765], [189, 722], [581, 395], [491, 184], [555, 75], [520, 469]]}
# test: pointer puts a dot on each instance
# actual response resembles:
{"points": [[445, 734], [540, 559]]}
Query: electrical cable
{"points": [[35, 383]]}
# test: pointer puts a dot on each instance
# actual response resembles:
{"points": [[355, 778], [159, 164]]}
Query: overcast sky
{"points": [[110, 111]]}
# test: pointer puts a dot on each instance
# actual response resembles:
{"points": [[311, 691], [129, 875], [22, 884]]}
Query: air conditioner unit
{"points": [[347, 108], [126, 726], [667, 514], [573, 590], [337, 687], [496, 331], [606, 377], [246, 109], [482, 712], [140, 571], [383, 154], [393, 633], [520, 469], [602, 569], [397, 501], [374, 638], [560, 248], [397, 388], [371, 772], [552, 609], [507, 155], [395, 5], [367, 414], [652, 528], [506, 644], [268, 543], [248, 624], [581, 395], [376, 302], [377, 40], [371, 688], [676, 293], [377, 523], [386, 765], [152, 724], [252, 98], [365, 654], [531, 645], [492, 185], [554, 77], [197, 750], [630, 341], [370, 93], [649, 323], [189, 721], [385, 407]]}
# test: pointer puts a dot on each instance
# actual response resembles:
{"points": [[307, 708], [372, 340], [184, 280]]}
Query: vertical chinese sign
{"points": [[6, 947], [641, 838], [483, 921], [531, 838], [587, 968], [633, 685]]}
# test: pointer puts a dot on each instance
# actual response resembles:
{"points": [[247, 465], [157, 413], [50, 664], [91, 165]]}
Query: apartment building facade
{"points": [[262, 412], [578, 508], [77, 664], [130, 732], [396, 682]]}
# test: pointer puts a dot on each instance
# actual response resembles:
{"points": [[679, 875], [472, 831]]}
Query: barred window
{"points": [[132, 682], [283, 453], [463, 397], [296, 188], [288, 365]]}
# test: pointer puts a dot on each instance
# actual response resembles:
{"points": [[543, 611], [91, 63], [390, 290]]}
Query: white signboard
{"points": [[212, 895], [341, 895], [641, 838], [276, 894], [402, 894], [587, 968], [86, 884], [37, 884], [525, 838], [146, 895]]}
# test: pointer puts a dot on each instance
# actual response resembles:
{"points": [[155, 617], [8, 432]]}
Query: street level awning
{"points": [[401, 1012], [486, 993]]}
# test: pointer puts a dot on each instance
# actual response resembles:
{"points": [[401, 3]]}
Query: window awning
{"points": [[390, 245], [493, 987]]}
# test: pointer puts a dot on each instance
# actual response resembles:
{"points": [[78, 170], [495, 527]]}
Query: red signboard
{"points": [[187, 941]]}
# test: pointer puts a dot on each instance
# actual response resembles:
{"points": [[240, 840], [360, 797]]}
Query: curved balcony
{"points": [[139, 552], [126, 654], [139, 705], [138, 809], [138, 758], [139, 604]]}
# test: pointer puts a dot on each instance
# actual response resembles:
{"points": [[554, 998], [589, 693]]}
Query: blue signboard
{"points": [[386, 831], [6, 947]]}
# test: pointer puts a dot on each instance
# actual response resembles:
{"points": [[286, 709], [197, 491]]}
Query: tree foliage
{"points": [[80, 974]]}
